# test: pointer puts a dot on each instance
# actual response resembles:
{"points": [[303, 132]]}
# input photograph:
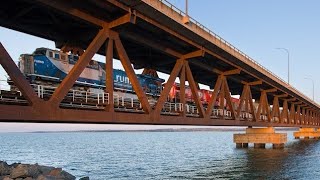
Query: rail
{"points": [[248, 58]]}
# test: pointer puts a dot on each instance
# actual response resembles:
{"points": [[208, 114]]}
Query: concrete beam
{"points": [[259, 137]]}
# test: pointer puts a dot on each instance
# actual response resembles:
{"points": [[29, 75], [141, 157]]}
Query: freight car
{"points": [[204, 95]]}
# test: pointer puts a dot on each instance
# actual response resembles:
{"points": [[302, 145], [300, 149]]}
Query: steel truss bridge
{"points": [[150, 34]]}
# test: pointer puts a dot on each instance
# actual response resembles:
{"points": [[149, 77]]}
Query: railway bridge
{"points": [[156, 36]]}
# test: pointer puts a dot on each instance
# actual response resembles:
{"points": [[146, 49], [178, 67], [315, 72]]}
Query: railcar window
{"points": [[57, 56], [51, 54]]}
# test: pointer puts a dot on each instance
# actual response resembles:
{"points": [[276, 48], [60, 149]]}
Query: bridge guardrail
{"points": [[248, 58]]}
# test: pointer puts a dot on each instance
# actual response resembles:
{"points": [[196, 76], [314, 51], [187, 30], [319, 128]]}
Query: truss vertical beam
{"points": [[307, 116], [109, 74], [303, 115], [298, 115], [292, 114], [314, 118], [17, 77], [183, 90], [221, 97], [276, 109], [285, 112], [125, 61], [75, 72]]}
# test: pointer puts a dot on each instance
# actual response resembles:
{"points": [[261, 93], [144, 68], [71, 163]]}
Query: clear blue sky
{"points": [[255, 27]]}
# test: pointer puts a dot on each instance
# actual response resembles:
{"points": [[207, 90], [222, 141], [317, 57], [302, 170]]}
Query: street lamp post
{"points": [[287, 51], [187, 8], [312, 87]]}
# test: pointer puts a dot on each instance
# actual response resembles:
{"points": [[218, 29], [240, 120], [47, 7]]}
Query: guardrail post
{"points": [[39, 92]]}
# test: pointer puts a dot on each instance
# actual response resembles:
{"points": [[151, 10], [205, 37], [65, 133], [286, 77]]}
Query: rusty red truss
{"points": [[151, 35]]}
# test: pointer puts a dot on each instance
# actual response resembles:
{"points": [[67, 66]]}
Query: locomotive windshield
{"points": [[40, 51]]}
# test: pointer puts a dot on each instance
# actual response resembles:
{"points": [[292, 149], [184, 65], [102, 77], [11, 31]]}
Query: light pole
{"points": [[187, 7], [286, 50], [312, 87]]}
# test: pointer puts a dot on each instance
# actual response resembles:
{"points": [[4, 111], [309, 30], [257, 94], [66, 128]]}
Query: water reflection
{"points": [[281, 164], [183, 155], [298, 160]]}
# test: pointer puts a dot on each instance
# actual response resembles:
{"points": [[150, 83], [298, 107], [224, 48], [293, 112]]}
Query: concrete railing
{"points": [[228, 46]]}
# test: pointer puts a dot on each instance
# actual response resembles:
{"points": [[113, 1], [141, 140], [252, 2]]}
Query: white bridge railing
{"points": [[99, 100]]}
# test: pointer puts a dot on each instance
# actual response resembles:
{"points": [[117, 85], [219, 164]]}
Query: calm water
{"points": [[162, 155]]}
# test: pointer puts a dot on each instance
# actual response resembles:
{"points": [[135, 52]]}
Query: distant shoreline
{"points": [[167, 130]]}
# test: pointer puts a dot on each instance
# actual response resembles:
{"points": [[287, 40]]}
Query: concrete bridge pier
{"points": [[307, 133], [259, 137]]}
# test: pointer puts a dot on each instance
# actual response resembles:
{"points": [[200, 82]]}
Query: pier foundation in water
{"points": [[260, 137], [307, 133]]}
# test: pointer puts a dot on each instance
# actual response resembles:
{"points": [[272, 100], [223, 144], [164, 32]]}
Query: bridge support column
{"points": [[307, 133], [259, 137]]}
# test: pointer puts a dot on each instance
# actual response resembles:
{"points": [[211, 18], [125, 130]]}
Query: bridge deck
{"points": [[156, 38]]}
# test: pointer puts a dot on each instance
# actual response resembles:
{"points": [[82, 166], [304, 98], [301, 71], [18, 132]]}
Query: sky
{"points": [[255, 27]]}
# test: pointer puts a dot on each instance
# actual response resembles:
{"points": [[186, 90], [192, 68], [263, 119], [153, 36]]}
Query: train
{"points": [[49, 67]]}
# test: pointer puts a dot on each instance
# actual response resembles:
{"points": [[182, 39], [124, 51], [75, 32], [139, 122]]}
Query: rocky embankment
{"points": [[18, 171]]}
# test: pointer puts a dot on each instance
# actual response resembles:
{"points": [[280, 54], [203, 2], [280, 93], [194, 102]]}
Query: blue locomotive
{"points": [[50, 67]]}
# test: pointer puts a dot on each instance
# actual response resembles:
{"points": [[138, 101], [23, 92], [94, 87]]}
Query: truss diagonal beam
{"points": [[246, 97], [132, 76], [164, 94], [17, 77], [193, 86], [228, 98], [263, 108], [214, 95], [243, 98], [81, 64]]}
